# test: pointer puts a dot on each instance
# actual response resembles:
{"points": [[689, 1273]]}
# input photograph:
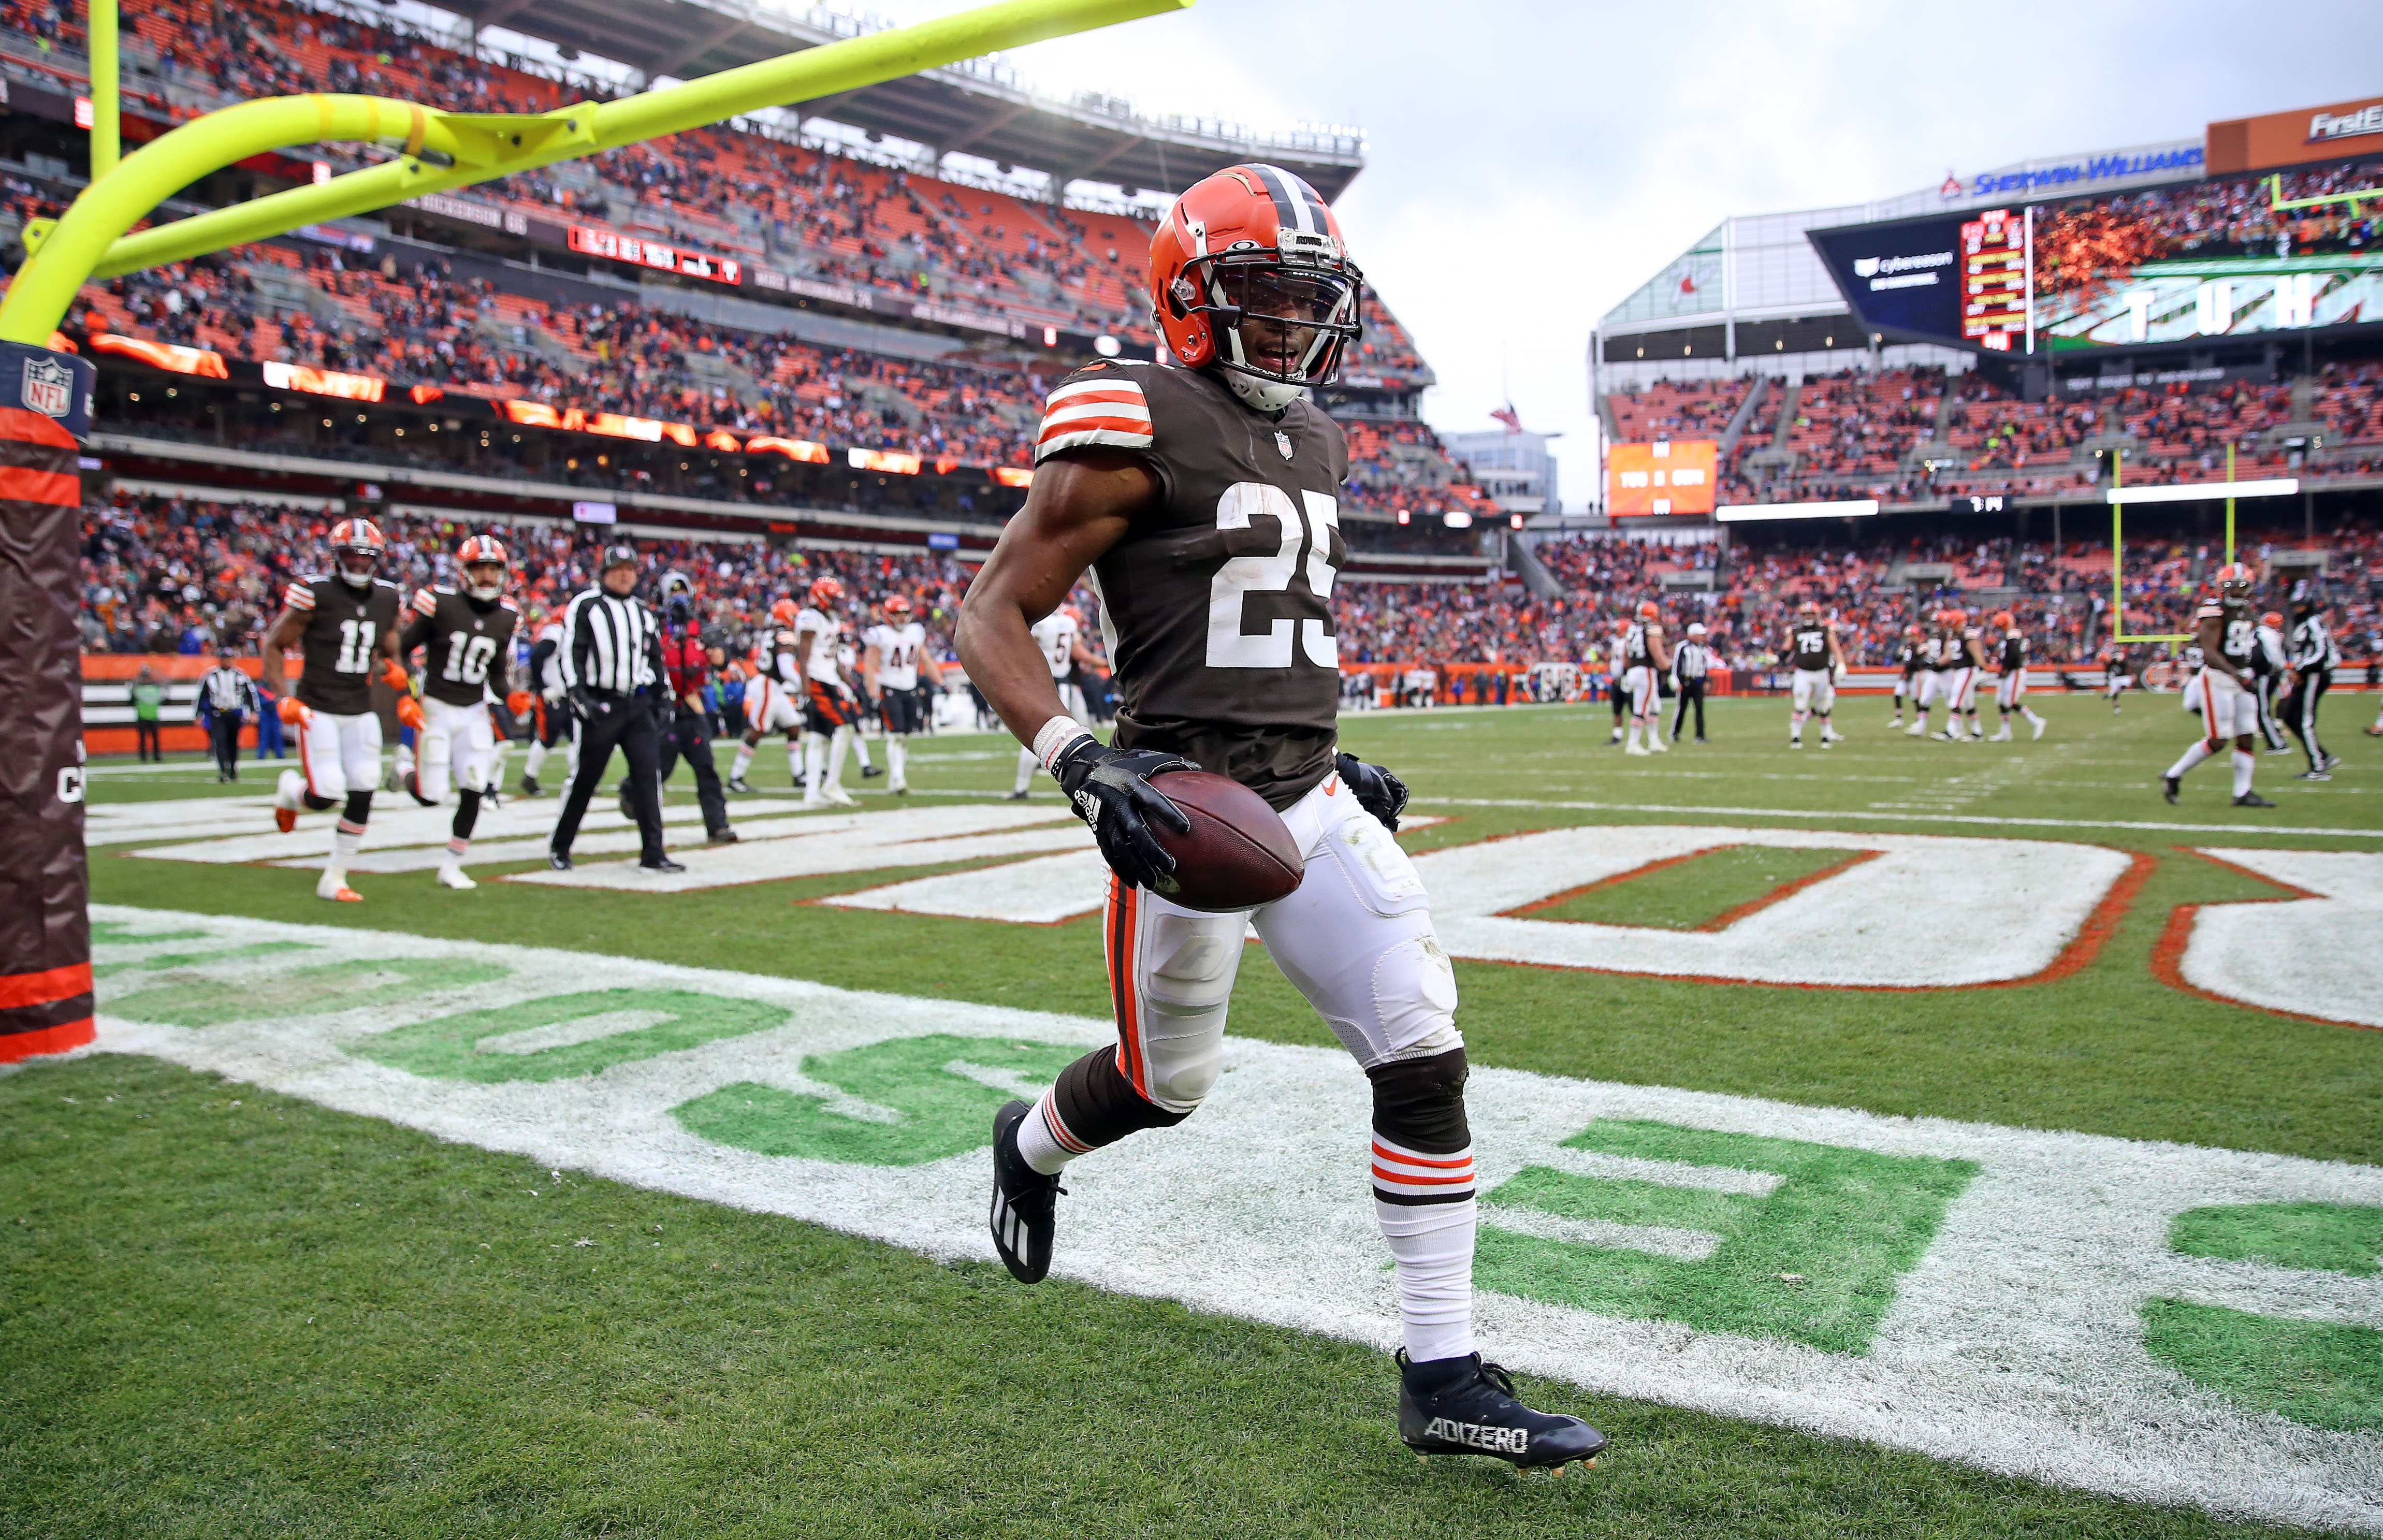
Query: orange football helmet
{"points": [[2002, 618], [2233, 580], [1915, 629], [1650, 610], [896, 606], [1249, 272], [2273, 620], [483, 550], [357, 546], [783, 613], [825, 593], [1953, 618]]}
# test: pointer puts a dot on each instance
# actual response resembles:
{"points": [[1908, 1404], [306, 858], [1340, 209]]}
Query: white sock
{"points": [[2192, 756], [1043, 1143], [404, 760], [456, 850], [743, 762], [2245, 763], [861, 749], [897, 758], [1432, 1245], [838, 747], [797, 766], [345, 838], [1794, 724], [1027, 766], [497, 765], [537, 753], [2031, 716], [814, 760]]}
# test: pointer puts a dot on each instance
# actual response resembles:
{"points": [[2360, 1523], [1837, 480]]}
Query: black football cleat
{"points": [[1025, 1202], [870, 772], [2170, 785], [722, 835], [1464, 1406], [2251, 799], [529, 785], [665, 866], [559, 859], [739, 785]]}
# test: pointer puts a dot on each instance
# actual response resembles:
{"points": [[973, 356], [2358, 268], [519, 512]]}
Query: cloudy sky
{"points": [[1529, 164]]}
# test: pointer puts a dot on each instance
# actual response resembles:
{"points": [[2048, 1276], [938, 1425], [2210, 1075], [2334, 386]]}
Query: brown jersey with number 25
{"points": [[1216, 606]]}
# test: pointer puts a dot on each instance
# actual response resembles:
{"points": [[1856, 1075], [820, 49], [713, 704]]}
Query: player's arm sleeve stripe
{"points": [[426, 603], [299, 597], [1085, 409], [1097, 390]]}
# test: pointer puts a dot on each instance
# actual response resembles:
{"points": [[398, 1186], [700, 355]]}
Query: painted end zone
{"points": [[1975, 1293], [2309, 953]]}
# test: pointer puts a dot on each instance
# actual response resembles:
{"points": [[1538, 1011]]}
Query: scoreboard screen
{"points": [[1669, 475], [1994, 253]]}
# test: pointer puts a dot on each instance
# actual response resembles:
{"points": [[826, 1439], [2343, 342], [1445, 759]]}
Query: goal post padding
{"points": [[45, 1005]]}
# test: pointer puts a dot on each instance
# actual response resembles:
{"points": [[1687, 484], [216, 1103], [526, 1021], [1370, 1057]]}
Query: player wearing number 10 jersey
{"points": [[464, 633], [1205, 500], [345, 628]]}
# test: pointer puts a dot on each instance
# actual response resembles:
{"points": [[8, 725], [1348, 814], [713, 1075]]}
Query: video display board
{"points": [[1669, 475], [2226, 257]]}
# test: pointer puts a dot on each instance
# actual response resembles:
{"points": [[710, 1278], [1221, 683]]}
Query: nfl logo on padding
{"points": [[49, 387]]}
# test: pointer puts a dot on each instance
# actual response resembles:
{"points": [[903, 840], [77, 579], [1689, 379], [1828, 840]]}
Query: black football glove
{"points": [[1112, 791], [1377, 791], [586, 708]]}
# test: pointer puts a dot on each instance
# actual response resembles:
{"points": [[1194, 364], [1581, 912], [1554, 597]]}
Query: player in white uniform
{"points": [[896, 656], [1060, 635], [1645, 658], [2223, 629], [831, 712], [773, 697], [847, 662]]}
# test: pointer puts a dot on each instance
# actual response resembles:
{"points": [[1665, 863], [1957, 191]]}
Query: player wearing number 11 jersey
{"points": [[345, 629], [1204, 502], [466, 634]]}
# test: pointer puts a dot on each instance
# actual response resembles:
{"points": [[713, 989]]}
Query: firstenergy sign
{"points": [[1669, 475]]}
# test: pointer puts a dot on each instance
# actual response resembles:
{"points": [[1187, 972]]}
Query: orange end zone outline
{"points": [[2168, 953]]}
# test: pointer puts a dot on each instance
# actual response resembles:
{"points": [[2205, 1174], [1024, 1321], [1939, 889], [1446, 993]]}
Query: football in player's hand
{"points": [[1238, 855]]}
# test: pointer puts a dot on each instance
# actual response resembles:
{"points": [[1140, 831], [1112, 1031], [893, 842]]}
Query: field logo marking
{"points": [[1876, 921], [2307, 953], [2153, 1321]]}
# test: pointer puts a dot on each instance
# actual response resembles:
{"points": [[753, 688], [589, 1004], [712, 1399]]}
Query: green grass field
{"points": [[234, 1309]]}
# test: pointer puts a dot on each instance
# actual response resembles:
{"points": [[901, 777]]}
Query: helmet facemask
{"points": [[485, 581], [357, 564], [1282, 319]]}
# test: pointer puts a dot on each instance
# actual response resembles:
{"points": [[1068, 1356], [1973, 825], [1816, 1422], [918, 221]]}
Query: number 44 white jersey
{"points": [[898, 647]]}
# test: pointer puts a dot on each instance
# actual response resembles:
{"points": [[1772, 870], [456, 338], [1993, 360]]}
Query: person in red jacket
{"points": [[687, 726]]}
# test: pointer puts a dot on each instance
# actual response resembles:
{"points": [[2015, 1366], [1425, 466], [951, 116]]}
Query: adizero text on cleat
{"points": [[1025, 1202], [1464, 1406]]}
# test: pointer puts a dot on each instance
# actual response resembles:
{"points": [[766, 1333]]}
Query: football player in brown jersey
{"points": [[345, 626], [1204, 500], [2223, 629], [466, 633]]}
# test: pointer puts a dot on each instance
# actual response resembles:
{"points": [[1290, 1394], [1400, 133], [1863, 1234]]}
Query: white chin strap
{"points": [[1264, 394], [356, 580]]}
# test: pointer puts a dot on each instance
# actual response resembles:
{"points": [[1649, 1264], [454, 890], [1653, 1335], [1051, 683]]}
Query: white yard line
{"points": [[2235, 831], [2014, 1343]]}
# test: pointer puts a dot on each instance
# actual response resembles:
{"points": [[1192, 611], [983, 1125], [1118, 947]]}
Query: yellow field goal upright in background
{"points": [[2118, 498]]}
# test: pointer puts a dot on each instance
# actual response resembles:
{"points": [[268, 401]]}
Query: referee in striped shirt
{"points": [[610, 662]]}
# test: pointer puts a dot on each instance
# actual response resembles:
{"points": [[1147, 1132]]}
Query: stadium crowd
{"points": [[164, 575]]}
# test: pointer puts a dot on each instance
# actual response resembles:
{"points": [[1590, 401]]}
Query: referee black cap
{"points": [[622, 555]]}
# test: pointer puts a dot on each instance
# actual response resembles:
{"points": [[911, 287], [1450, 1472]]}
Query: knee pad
{"points": [[1419, 1104], [317, 804], [359, 807]]}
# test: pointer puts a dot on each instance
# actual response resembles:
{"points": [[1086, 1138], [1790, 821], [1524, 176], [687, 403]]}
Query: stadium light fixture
{"points": [[2203, 491], [1748, 513]]}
